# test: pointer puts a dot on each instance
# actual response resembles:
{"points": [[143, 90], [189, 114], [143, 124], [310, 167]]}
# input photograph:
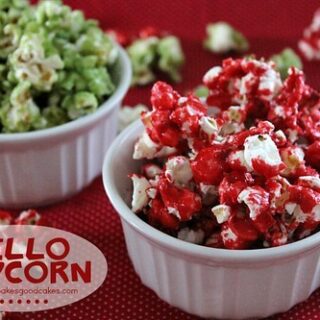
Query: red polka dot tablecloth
{"points": [[270, 26]]}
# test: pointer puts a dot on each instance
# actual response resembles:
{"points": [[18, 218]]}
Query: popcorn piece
{"points": [[313, 154], [284, 60], [222, 212], [293, 158], [128, 115], [22, 114], [171, 57], [276, 236], [80, 104], [192, 236], [212, 74], [222, 38], [262, 155], [178, 171], [142, 54], [207, 166], [309, 44], [146, 148], [30, 64], [5, 218], [278, 188], [231, 186], [181, 203], [159, 215], [310, 181], [139, 196], [270, 84], [243, 82], [201, 91], [209, 193], [28, 217], [237, 161], [155, 50], [257, 200], [151, 171], [238, 233], [152, 193], [209, 126]]}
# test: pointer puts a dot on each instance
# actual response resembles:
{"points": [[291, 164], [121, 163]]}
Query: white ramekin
{"points": [[204, 281], [42, 167]]}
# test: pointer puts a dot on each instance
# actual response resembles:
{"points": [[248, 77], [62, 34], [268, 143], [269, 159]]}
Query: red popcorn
{"points": [[207, 167], [30, 217], [257, 201], [245, 178], [238, 233], [276, 236], [231, 186], [188, 114], [159, 215], [309, 45], [5, 217], [163, 97], [181, 203], [27, 217], [313, 155], [163, 131]]}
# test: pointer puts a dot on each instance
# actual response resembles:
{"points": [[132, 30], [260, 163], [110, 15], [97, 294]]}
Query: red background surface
{"points": [[270, 25]]}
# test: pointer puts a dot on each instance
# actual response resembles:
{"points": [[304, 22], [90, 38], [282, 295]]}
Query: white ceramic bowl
{"points": [[204, 281], [42, 167]]}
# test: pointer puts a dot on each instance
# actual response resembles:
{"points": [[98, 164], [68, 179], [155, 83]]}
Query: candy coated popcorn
{"points": [[151, 52], [309, 44], [237, 179], [284, 60], [128, 114], [5, 218], [56, 65], [223, 38], [27, 217]]}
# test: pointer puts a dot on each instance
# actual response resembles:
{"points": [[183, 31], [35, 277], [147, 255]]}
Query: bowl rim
{"points": [[180, 246], [105, 108]]}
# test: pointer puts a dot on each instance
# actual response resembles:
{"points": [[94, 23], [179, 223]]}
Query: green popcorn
{"points": [[9, 39], [95, 42], [201, 91], [30, 64], [98, 81], [284, 60], [143, 54], [3, 72], [19, 4], [86, 62], [55, 116], [48, 11], [50, 53], [21, 114], [223, 38], [79, 105], [171, 57]]}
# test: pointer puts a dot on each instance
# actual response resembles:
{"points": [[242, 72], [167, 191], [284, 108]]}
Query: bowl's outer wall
{"points": [[218, 291], [55, 164], [207, 285]]}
